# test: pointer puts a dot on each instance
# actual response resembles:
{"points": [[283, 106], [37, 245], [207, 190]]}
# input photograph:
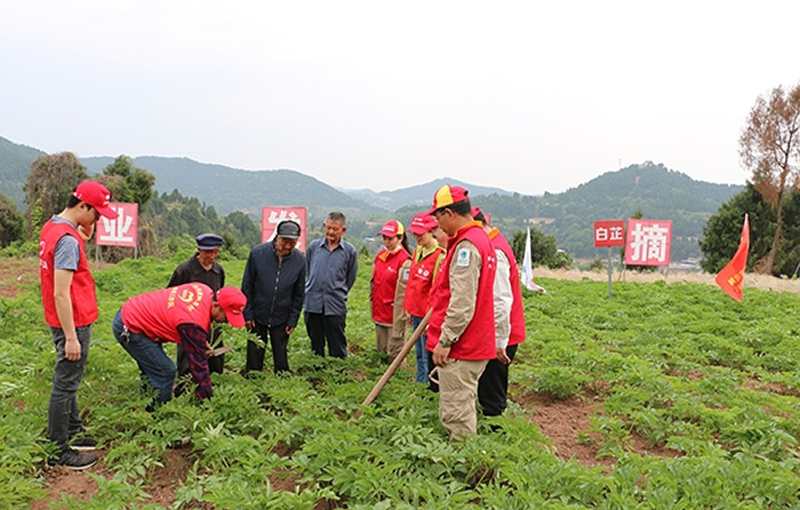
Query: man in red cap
{"points": [[461, 332], [180, 314], [70, 309]]}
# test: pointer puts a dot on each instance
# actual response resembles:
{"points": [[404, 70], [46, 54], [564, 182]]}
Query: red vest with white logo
{"points": [[384, 283], [517, 312], [81, 291], [420, 281], [157, 314], [477, 342]]}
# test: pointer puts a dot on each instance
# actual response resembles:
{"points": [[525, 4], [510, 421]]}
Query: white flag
{"points": [[527, 267]]}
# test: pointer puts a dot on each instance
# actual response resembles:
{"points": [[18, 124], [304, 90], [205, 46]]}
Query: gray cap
{"points": [[288, 229]]}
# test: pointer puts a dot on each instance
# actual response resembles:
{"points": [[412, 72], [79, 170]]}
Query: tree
{"points": [[12, 223], [770, 148], [544, 251], [50, 182], [723, 230], [129, 184]]}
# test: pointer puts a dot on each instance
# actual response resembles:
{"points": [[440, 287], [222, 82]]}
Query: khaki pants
{"points": [[382, 334], [458, 388]]}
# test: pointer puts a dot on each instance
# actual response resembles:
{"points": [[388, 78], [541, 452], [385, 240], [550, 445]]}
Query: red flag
{"points": [[731, 278]]}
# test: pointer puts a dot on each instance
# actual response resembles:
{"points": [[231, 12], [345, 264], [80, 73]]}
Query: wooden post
{"points": [[396, 363]]}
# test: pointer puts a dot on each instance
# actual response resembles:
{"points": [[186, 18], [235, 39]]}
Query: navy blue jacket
{"points": [[275, 288]]}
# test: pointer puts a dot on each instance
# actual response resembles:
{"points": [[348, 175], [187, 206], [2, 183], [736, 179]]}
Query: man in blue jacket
{"points": [[274, 282]]}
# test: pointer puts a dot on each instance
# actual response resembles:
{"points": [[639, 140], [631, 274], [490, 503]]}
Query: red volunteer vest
{"points": [[384, 283], [420, 281], [478, 340], [157, 314], [517, 312], [81, 292]]}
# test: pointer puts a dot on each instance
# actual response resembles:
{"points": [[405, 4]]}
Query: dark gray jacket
{"points": [[274, 288]]}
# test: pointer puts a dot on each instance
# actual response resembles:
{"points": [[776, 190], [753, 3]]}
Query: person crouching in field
{"points": [[180, 314], [386, 273]]}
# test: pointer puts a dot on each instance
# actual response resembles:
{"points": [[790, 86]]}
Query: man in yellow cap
{"points": [[461, 332]]}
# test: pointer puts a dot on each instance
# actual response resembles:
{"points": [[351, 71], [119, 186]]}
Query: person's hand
{"points": [[441, 355], [289, 330], [72, 349], [86, 232], [250, 325], [502, 357]]}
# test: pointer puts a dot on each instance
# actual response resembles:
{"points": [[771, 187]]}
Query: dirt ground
{"points": [[563, 421]]}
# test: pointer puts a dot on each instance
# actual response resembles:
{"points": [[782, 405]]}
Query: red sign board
{"points": [[648, 242], [609, 233], [271, 216], [121, 231]]}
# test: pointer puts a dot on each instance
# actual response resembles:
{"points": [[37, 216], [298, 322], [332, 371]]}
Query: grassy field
{"points": [[666, 396]]}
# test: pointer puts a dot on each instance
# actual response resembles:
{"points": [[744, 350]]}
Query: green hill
{"points": [[659, 192], [230, 189], [15, 163]]}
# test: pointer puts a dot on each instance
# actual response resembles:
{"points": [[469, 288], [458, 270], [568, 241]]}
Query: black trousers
{"points": [[493, 385], [330, 328], [278, 340]]}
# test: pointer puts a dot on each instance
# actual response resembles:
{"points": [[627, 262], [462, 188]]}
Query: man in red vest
{"points": [[509, 322], [70, 309], [181, 315], [461, 331]]}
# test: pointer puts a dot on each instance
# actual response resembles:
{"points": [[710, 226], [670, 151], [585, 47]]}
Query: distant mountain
{"points": [[659, 192], [15, 164], [229, 189], [418, 196]]}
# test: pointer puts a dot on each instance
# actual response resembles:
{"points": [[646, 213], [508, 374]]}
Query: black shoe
{"points": [[83, 444], [75, 460]]}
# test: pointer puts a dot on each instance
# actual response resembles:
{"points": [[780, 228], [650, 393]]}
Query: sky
{"points": [[527, 96]]}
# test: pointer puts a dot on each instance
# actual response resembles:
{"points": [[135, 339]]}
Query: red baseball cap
{"points": [[422, 223], [233, 301], [392, 228], [448, 195], [96, 195]]}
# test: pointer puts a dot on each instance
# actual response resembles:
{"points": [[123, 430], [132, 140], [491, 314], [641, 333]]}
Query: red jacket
{"points": [[384, 283], [82, 292], [477, 342], [517, 312], [420, 280], [157, 314]]}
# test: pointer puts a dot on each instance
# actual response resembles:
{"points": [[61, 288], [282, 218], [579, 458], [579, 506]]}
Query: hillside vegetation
{"points": [[660, 193]]}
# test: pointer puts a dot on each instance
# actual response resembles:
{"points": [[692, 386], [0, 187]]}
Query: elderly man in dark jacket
{"points": [[274, 283]]}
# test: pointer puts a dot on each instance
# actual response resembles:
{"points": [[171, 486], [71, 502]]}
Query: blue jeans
{"points": [[421, 352], [63, 418], [150, 356]]}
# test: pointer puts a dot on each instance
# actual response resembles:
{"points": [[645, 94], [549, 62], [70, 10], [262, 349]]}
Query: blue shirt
{"points": [[331, 275]]}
